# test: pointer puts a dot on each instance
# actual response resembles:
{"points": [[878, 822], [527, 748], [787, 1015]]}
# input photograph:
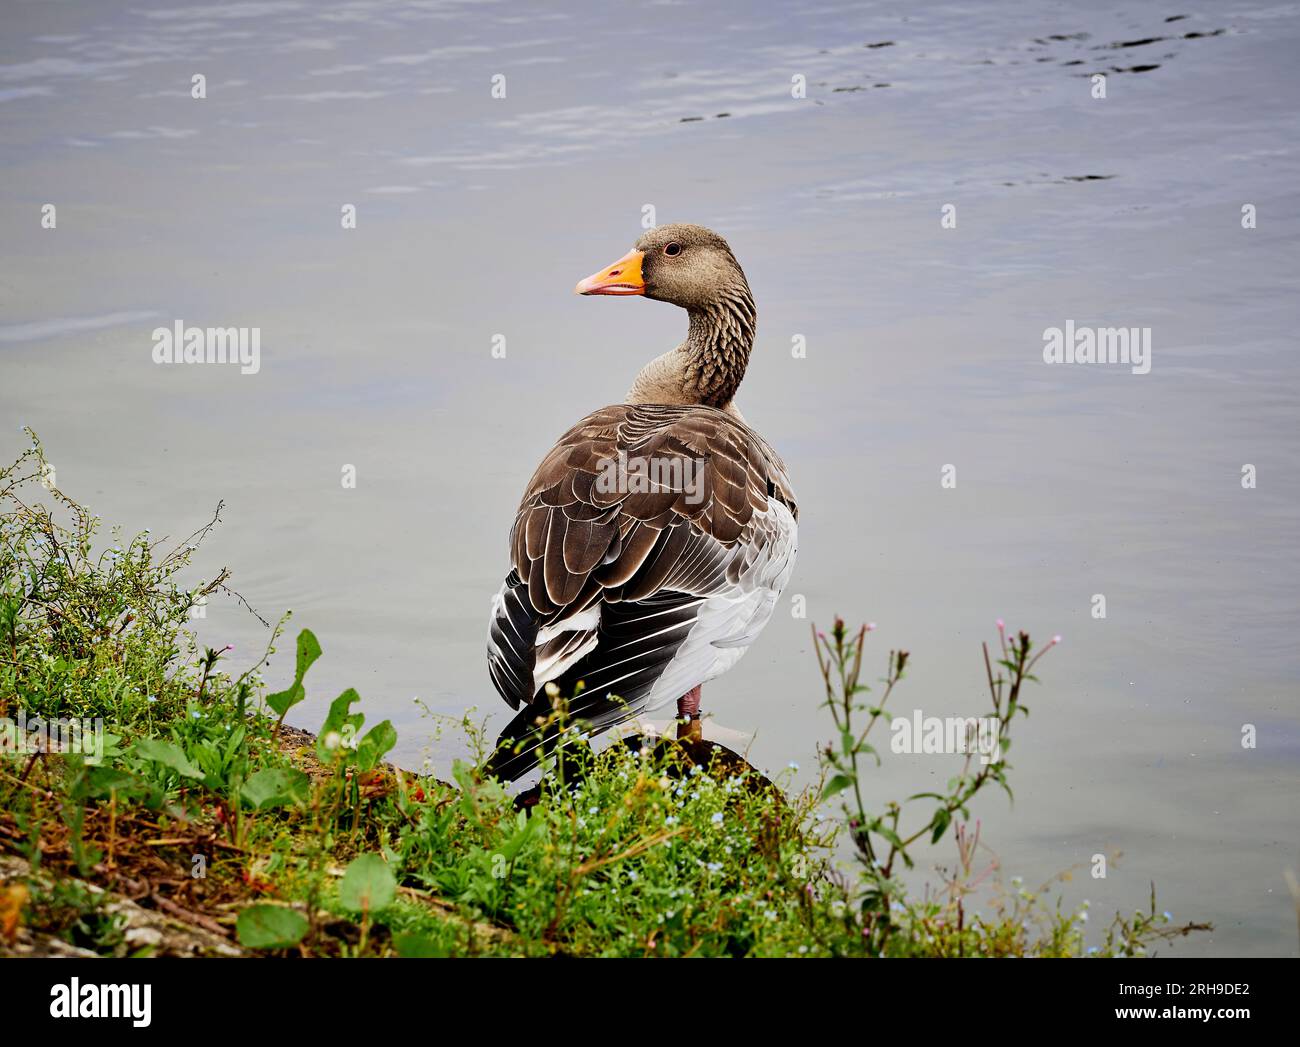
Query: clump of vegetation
{"points": [[203, 807]]}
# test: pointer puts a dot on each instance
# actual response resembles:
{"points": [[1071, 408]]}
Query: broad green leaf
{"points": [[274, 786], [340, 722], [270, 927], [282, 701], [376, 743], [368, 885], [235, 741], [168, 755], [308, 651], [836, 785]]}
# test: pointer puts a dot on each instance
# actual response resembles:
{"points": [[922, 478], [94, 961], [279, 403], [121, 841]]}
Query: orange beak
{"points": [[623, 277]]}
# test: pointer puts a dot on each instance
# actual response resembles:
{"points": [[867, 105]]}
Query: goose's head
{"points": [[686, 265]]}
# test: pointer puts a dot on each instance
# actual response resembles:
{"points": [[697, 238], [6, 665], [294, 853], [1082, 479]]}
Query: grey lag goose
{"points": [[656, 536]]}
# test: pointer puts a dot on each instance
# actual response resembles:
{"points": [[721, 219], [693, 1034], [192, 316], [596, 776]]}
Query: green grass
{"points": [[204, 804]]}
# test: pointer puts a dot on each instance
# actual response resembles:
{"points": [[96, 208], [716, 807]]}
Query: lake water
{"points": [[476, 214]]}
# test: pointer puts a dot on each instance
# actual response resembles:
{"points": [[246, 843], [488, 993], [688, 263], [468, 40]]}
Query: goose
{"points": [[655, 538]]}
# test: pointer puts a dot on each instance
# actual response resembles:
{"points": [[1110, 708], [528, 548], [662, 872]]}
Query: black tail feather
{"points": [[638, 641]]}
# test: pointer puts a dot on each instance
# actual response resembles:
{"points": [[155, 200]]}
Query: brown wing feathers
{"points": [[570, 532]]}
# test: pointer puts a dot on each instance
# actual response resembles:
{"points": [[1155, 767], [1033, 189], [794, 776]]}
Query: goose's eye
{"points": [[673, 248]]}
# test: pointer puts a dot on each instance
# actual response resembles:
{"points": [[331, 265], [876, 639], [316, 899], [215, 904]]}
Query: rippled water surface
{"points": [[475, 215]]}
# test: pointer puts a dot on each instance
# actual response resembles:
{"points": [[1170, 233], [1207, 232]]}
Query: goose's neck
{"points": [[709, 366]]}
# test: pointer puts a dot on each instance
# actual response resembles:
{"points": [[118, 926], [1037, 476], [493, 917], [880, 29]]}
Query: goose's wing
{"points": [[649, 550]]}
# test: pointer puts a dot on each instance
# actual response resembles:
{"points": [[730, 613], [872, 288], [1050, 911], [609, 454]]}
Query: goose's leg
{"points": [[688, 715]]}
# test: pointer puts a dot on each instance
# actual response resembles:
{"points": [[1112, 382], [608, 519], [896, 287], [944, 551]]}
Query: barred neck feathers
{"points": [[709, 366]]}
